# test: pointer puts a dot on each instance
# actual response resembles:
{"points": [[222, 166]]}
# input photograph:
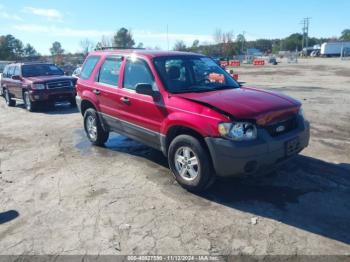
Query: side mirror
{"points": [[145, 89], [16, 77]]}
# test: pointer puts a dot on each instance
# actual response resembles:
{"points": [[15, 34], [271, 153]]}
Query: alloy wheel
{"points": [[91, 127], [186, 163]]}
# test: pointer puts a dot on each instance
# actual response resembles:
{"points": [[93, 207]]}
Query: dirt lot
{"points": [[60, 195]]}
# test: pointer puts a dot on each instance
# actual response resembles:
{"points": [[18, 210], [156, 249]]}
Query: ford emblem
{"points": [[280, 129]]}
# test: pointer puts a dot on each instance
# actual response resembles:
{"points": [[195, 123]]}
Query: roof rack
{"points": [[116, 48]]}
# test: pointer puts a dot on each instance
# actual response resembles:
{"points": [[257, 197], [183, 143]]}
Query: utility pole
{"points": [[306, 24], [243, 33]]}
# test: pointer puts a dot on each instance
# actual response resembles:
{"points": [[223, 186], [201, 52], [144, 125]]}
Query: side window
{"points": [[17, 71], [10, 71], [109, 71], [88, 67], [137, 72], [5, 71]]}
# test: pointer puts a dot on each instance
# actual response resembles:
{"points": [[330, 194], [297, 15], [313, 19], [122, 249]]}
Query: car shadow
{"points": [[305, 192], [58, 109], [121, 144], [8, 216]]}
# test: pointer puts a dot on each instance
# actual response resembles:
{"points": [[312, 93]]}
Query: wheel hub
{"points": [[91, 127], [186, 163]]}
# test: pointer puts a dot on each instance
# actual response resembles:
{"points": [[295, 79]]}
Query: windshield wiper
{"points": [[223, 87], [195, 90]]}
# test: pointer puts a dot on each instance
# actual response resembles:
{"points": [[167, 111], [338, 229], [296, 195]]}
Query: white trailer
{"points": [[333, 48]]}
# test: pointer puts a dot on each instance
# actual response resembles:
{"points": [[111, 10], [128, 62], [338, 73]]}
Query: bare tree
{"points": [[217, 36], [105, 42], [86, 45]]}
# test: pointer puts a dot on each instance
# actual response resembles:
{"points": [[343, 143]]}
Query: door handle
{"points": [[96, 92], [125, 100]]}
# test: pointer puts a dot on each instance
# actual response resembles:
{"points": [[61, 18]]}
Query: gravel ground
{"points": [[59, 195]]}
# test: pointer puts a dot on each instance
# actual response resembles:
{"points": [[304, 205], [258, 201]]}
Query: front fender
{"points": [[203, 125], [91, 97]]}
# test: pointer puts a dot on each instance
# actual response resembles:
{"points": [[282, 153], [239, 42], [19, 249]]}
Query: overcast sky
{"points": [[41, 22]]}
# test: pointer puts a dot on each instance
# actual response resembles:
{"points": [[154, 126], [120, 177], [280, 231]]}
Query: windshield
{"points": [[41, 70], [186, 74]]}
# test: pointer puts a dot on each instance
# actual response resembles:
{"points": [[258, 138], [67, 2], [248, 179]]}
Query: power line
{"points": [[306, 24]]}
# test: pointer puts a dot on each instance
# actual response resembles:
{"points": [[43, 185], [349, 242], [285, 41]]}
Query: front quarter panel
{"points": [[185, 113]]}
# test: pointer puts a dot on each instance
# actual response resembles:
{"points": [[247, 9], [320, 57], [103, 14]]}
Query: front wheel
{"points": [[8, 99], [93, 128], [190, 163]]}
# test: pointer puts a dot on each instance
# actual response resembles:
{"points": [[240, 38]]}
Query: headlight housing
{"points": [[239, 131], [301, 112], [38, 86]]}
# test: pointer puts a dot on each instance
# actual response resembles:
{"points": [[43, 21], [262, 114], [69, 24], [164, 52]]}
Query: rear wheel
{"points": [[93, 128], [190, 163], [8, 99], [29, 105]]}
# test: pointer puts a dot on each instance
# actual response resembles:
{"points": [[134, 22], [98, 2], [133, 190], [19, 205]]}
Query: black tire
{"points": [[8, 99], [29, 104], [101, 136], [205, 175]]}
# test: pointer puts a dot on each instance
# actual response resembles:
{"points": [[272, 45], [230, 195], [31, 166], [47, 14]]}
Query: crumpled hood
{"points": [[248, 103]]}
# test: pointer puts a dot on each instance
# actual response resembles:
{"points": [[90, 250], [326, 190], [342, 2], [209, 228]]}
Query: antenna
{"points": [[167, 35]]}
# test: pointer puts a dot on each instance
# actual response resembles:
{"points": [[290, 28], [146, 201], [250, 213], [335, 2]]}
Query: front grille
{"points": [[282, 127], [59, 84]]}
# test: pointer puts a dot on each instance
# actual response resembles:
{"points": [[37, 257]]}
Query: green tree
{"points": [[180, 46], [345, 35], [140, 45], [123, 39], [29, 51], [293, 42], [56, 49], [57, 52], [11, 48]]}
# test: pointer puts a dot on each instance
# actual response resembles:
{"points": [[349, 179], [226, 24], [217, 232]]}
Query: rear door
{"points": [[108, 92], [141, 115], [17, 84]]}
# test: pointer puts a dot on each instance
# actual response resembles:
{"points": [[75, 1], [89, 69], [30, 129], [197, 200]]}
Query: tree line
{"points": [[225, 45]]}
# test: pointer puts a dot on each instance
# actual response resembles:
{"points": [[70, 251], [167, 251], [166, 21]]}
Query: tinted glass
{"points": [[137, 72], [17, 71], [5, 71], [109, 71], [10, 71], [40, 70], [88, 67], [182, 74]]}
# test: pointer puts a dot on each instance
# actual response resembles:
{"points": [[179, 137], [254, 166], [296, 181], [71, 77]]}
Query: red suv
{"points": [[36, 83], [188, 107]]}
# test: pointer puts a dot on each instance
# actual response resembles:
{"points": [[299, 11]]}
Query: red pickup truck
{"points": [[207, 126]]}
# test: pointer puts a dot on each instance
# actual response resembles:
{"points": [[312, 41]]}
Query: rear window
{"points": [[88, 67], [109, 71]]}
